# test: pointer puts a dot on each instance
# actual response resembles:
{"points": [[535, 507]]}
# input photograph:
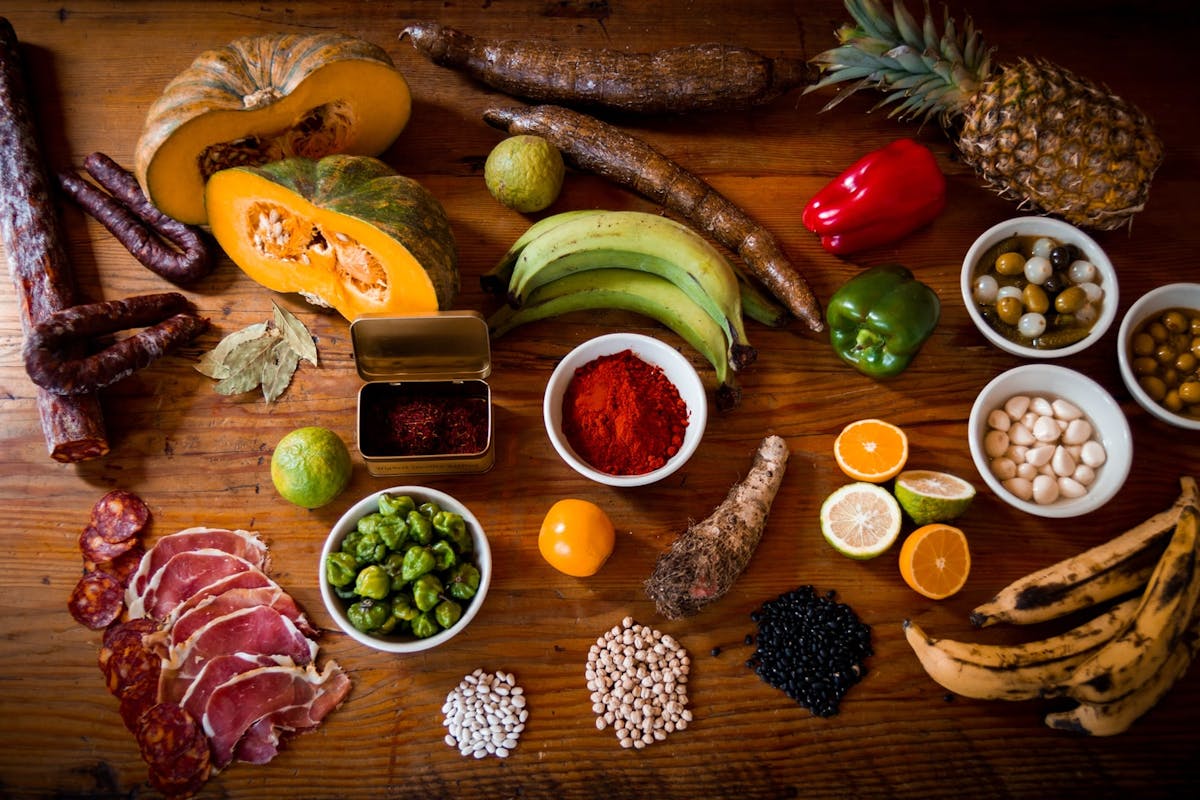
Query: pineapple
{"points": [[1032, 130]]}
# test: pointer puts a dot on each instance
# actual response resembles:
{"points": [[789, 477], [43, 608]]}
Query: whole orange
{"points": [[576, 538]]}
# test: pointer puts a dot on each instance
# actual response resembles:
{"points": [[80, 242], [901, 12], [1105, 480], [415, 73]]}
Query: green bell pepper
{"points": [[879, 319]]}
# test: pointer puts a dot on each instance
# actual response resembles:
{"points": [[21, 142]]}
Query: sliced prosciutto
{"points": [[259, 630], [269, 701], [242, 544], [220, 669], [217, 605], [182, 577]]}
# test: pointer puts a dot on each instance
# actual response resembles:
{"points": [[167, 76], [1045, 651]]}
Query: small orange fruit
{"points": [[935, 560], [576, 538], [871, 450]]}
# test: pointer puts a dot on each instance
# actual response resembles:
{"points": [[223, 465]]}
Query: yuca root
{"points": [[49, 367], [73, 427], [701, 77], [703, 563], [598, 147], [137, 224]]}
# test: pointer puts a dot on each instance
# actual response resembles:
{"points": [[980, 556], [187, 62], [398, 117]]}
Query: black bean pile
{"points": [[810, 647]]}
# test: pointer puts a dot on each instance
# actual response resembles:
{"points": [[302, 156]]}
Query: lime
{"points": [[310, 466], [861, 520], [524, 173], [929, 496]]}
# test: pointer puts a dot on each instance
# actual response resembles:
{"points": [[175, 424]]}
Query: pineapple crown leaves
{"points": [[923, 74]]}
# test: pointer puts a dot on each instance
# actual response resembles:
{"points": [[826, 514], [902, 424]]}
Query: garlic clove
{"points": [[1062, 463], [1017, 405], [1077, 432]]}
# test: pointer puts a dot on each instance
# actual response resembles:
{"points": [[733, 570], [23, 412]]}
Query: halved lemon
{"points": [[861, 520]]}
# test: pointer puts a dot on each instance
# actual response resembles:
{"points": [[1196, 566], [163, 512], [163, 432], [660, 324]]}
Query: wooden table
{"points": [[201, 458]]}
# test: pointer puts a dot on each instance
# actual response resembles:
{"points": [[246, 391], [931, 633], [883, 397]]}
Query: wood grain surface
{"points": [[199, 458]]}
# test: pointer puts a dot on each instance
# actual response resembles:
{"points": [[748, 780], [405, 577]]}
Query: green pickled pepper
{"points": [[464, 581], [393, 531], [370, 548], [443, 554], [424, 625], [403, 608], [418, 560], [340, 569], [373, 582], [447, 613], [454, 528], [420, 529], [427, 591], [368, 614], [396, 506]]}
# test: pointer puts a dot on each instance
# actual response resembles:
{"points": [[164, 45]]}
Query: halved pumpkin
{"points": [[264, 98], [345, 232]]}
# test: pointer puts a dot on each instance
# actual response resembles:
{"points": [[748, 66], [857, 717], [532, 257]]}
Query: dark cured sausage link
{"points": [[137, 224], [73, 427], [47, 367], [602, 149]]}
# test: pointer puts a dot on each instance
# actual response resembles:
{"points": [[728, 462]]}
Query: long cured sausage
{"points": [[73, 426]]}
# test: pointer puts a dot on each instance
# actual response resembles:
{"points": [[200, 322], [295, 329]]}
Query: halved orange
{"points": [[871, 450], [935, 560]]}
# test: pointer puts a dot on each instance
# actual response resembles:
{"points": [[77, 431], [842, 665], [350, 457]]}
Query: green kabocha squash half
{"points": [[344, 231], [264, 98]]}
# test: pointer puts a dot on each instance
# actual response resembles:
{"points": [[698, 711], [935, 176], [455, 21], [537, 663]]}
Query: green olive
{"points": [[1195, 347], [1153, 386], [1158, 331], [1144, 365], [1185, 362], [1009, 309], [1010, 264], [1189, 392], [1035, 298], [1165, 354], [1070, 300], [1175, 321], [1172, 402], [1143, 344]]}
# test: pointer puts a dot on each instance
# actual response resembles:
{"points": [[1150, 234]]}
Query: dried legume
{"points": [[811, 648], [638, 680], [485, 714]]}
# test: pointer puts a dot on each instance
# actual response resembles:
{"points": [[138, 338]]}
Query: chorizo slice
{"points": [[173, 744], [97, 600], [123, 567], [119, 515], [98, 550]]}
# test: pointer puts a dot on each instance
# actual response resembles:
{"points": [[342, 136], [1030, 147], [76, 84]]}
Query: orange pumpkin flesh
{"points": [[363, 241], [265, 98]]}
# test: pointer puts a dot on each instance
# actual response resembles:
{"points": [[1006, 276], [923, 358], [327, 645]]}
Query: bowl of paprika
{"points": [[625, 409]]}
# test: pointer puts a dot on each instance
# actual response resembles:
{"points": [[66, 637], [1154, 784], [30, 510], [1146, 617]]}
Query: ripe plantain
{"points": [[629, 290], [1115, 716], [640, 241], [1134, 655], [1101, 573], [1017, 671]]}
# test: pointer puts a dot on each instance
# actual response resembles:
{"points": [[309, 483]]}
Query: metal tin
{"points": [[442, 357]]}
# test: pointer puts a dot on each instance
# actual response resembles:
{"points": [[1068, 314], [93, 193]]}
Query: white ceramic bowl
{"points": [[1153, 303], [674, 365], [482, 559], [1055, 382], [1062, 233]]}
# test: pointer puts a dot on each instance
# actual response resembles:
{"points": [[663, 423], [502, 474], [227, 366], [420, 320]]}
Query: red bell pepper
{"points": [[883, 197]]}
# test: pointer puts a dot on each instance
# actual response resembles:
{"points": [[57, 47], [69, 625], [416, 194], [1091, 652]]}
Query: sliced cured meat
{"points": [[125, 656], [259, 630], [217, 671], [218, 605], [251, 579], [183, 576], [122, 567], [97, 600], [136, 698], [243, 544], [173, 743], [96, 549], [269, 700], [119, 516]]}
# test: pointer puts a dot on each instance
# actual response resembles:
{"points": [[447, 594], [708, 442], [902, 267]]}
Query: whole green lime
{"points": [[524, 173], [310, 467]]}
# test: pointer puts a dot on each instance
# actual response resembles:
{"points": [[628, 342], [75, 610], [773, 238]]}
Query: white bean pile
{"points": [[485, 714], [638, 680], [1042, 449]]}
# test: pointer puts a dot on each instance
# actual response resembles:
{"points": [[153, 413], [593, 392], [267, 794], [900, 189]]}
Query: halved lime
{"points": [[928, 496], [861, 520]]}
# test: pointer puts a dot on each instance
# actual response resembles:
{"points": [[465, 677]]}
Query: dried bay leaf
{"points": [[296, 335], [278, 369], [265, 354], [212, 363], [245, 363]]}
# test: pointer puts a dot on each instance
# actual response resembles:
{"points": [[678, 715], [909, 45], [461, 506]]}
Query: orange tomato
{"points": [[576, 538]]}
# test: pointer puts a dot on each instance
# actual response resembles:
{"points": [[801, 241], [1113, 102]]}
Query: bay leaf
{"points": [[278, 369], [245, 363], [295, 334], [212, 364]]}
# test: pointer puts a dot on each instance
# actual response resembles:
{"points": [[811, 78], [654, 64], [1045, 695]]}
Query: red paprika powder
{"points": [[622, 415]]}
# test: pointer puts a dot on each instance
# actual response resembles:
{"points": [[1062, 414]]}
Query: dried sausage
{"points": [[124, 657], [73, 427], [123, 567], [51, 369], [135, 222], [97, 600], [98, 550], [119, 515], [173, 743]]}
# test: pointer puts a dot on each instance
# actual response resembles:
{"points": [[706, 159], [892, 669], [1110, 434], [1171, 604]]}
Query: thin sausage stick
{"points": [[136, 223], [165, 313], [598, 147], [73, 427]]}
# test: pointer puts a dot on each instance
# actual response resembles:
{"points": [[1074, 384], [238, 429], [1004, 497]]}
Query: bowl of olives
{"points": [[1039, 287], [1158, 349], [405, 569]]}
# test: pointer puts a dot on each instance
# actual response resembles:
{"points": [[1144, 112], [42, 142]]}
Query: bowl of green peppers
{"points": [[405, 569]]}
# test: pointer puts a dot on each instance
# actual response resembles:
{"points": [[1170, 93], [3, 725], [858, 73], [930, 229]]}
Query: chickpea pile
{"points": [[1166, 360], [1038, 292]]}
